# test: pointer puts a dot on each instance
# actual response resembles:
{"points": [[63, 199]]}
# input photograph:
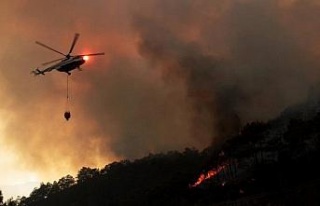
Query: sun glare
{"points": [[15, 181]]}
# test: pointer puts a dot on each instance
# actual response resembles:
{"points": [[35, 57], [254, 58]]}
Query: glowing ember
{"points": [[204, 176]]}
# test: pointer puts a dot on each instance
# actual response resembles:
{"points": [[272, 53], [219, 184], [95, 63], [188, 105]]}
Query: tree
{"points": [[66, 182], [11, 202], [87, 173], [1, 198], [41, 193]]}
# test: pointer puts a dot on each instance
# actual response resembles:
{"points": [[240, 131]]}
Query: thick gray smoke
{"points": [[260, 69]]}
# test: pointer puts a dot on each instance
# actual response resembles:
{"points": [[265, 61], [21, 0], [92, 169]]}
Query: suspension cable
{"points": [[67, 88], [67, 113]]}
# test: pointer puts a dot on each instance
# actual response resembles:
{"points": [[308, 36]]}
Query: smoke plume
{"points": [[176, 74]]}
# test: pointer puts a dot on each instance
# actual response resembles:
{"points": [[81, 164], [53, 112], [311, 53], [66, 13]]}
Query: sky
{"points": [[175, 74]]}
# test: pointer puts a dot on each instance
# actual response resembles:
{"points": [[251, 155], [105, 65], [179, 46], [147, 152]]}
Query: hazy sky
{"points": [[176, 74]]}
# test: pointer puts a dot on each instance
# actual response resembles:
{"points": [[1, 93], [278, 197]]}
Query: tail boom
{"points": [[37, 72]]}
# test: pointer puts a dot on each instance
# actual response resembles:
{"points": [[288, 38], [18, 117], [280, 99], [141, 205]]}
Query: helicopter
{"points": [[68, 62]]}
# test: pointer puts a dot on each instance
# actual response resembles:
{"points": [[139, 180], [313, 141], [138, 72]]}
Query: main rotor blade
{"points": [[75, 39], [50, 62], [93, 54], [45, 46]]}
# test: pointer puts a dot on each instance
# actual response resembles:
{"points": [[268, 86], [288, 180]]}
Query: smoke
{"points": [[176, 74], [201, 73]]}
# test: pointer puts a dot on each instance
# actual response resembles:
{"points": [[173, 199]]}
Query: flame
{"points": [[85, 58], [208, 175]]}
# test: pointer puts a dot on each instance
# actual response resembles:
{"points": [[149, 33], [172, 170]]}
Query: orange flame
{"points": [[204, 176], [85, 58]]}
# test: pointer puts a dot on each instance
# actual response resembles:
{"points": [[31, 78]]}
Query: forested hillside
{"points": [[267, 163]]}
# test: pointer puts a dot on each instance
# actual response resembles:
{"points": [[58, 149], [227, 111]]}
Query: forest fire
{"points": [[207, 175]]}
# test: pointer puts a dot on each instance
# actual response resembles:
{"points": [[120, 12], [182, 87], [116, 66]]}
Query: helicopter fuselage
{"points": [[68, 65]]}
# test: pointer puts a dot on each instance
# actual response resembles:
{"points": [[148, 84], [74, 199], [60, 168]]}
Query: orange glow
{"points": [[85, 58], [204, 176]]}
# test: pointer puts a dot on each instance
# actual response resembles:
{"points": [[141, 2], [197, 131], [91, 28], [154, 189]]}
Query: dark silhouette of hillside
{"points": [[272, 163]]}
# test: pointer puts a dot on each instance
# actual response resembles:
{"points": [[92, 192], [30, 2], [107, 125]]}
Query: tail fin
{"points": [[37, 72]]}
